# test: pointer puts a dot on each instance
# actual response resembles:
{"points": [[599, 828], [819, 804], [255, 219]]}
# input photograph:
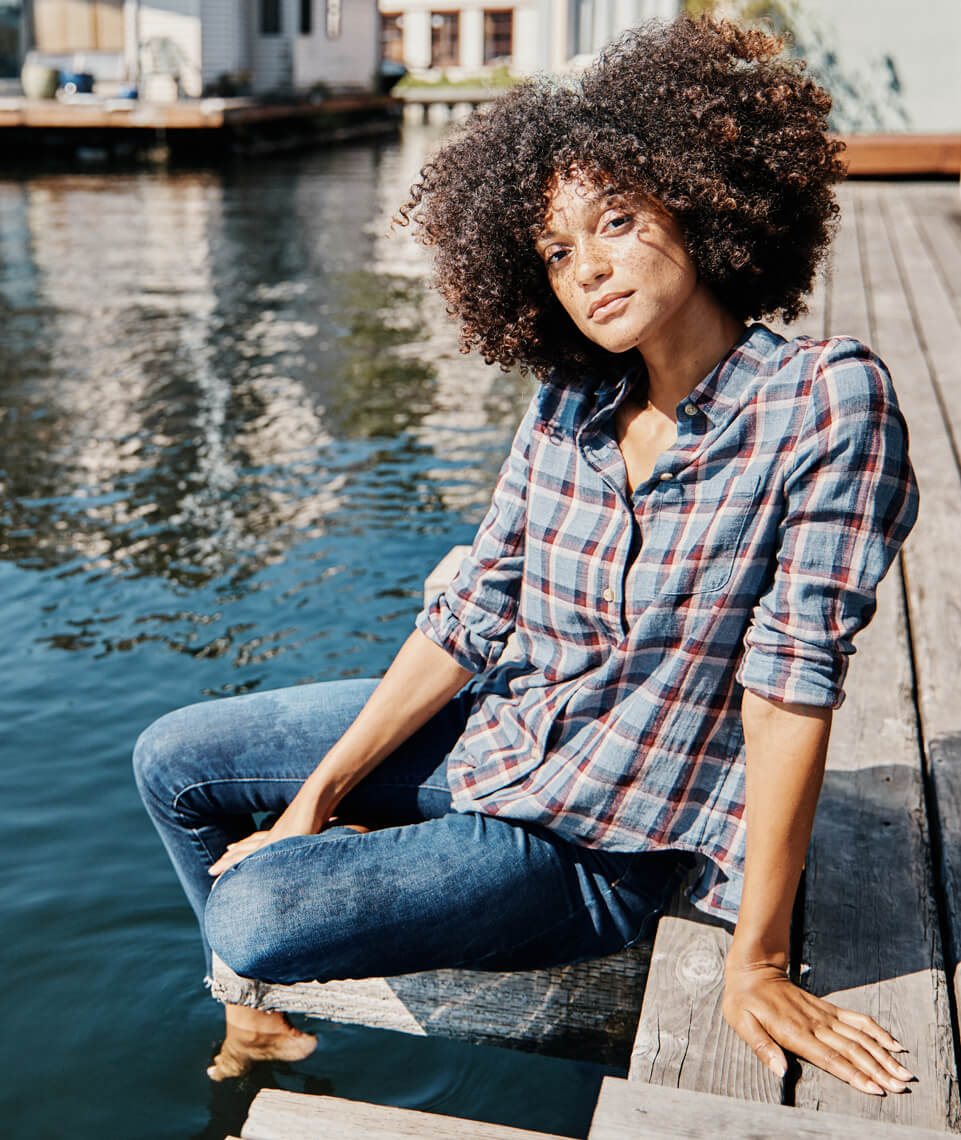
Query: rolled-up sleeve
{"points": [[473, 617], [850, 502]]}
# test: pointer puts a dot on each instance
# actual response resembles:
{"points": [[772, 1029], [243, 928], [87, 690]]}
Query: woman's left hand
{"points": [[764, 1007]]}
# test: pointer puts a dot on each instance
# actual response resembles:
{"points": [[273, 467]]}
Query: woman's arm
{"points": [[421, 680], [786, 745], [460, 633]]}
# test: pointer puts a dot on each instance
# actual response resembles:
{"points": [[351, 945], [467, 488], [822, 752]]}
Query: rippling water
{"points": [[235, 435]]}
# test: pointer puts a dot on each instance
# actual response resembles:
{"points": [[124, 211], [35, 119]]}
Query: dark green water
{"points": [[235, 435]]}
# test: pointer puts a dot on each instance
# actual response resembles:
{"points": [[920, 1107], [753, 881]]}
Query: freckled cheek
{"points": [[566, 296]]}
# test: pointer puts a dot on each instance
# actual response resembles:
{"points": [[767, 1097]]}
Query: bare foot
{"points": [[254, 1035]]}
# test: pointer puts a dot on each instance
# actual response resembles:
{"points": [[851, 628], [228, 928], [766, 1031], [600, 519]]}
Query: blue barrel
{"points": [[76, 82]]}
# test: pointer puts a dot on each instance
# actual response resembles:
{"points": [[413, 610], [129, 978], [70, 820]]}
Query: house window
{"points": [[498, 34], [11, 17], [392, 36], [270, 17], [306, 17], [333, 20], [444, 39]]}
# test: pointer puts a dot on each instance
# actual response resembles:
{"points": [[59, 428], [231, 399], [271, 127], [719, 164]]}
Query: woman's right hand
{"points": [[421, 680]]}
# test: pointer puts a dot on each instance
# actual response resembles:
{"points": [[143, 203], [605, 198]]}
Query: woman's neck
{"points": [[679, 357]]}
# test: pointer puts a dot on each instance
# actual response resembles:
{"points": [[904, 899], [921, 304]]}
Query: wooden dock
{"points": [[206, 126], [879, 919]]}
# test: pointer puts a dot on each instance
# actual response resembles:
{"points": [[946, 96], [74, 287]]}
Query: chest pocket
{"points": [[692, 535]]}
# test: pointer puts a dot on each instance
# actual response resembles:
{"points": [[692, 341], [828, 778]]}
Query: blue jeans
{"points": [[431, 888]]}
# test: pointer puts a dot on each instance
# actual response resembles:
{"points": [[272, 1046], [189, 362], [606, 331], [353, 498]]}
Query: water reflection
{"points": [[202, 372], [235, 434]]}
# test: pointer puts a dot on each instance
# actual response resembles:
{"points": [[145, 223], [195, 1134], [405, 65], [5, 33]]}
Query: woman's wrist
{"points": [[752, 948], [331, 780]]}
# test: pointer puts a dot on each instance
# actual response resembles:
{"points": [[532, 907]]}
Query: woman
{"points": [[685, 537]]}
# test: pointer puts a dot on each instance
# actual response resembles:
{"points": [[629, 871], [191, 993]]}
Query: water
{"points": [[235, 435]]}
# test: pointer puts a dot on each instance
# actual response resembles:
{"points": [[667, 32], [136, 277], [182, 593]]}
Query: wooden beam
{"points": [[586, 1011], [904, 154], [279, 1115], [627, 1110]]}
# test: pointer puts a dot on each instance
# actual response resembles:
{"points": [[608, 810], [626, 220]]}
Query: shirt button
{"points": [[690, 409], [608, 595], [665, 475]]}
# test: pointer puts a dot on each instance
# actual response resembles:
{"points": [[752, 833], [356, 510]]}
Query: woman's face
{"points": [[619, 266]]}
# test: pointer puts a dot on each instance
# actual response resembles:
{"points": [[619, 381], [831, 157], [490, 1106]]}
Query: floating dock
{"points": [[209, 127]]}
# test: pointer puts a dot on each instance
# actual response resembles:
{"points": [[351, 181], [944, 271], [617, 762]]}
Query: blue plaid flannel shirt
{"points": [[748, 559]]}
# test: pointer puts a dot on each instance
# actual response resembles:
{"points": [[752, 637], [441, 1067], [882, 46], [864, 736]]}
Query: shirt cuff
{"points": [[468, 648], [792, 671]]}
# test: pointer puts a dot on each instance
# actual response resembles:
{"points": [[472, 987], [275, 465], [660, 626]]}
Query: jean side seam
{"points": [[470, 963]]}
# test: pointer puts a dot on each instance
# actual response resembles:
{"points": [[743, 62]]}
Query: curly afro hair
{"points": [[705, 117]]}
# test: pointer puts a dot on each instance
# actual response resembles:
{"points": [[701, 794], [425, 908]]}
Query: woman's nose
{"points": [[592, 265]]}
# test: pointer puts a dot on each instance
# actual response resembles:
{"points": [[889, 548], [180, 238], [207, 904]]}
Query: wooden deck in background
{"points": [[881, 911]]}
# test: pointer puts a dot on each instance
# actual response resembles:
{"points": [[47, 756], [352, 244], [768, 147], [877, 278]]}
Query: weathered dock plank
{"points": [[279, 1115], [871, 939], [586, 1010], [628, 1110], [871, 932], [682, 1039], [847, 308], [934, 599], [936, 211]]}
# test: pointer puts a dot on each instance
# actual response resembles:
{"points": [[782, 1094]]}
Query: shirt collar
{"points": [[720, 393]]}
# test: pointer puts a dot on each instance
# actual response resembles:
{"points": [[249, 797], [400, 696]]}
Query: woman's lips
{"points": [[609, 306]]}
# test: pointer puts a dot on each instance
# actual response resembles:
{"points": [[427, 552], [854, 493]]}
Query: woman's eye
{"points": [[619, 221], [555, 256]]}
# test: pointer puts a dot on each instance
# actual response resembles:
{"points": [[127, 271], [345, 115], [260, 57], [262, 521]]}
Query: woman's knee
{"points": [[247, 925], [163, 758]]}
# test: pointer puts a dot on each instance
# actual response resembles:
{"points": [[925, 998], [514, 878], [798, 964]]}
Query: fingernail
{"points": [[875, 1088], [779, 1067], [898, 1086], [905, 1074], [899, 1048]]}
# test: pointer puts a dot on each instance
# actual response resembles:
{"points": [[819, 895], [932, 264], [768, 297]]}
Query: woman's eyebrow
{"points": [[603, 198]]}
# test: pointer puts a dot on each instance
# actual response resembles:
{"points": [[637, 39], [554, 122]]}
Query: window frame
{"points": [[271, 14], [445, 47], [490, 36]]}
